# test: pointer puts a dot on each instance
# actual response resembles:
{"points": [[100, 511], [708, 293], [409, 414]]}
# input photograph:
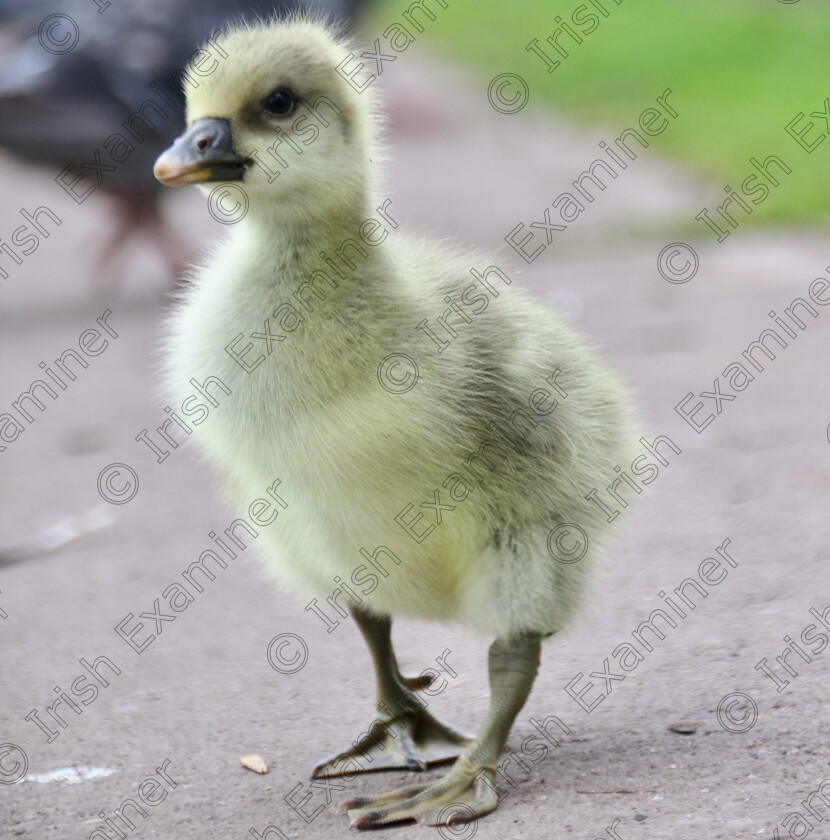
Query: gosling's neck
{"points": [[294, 246]]}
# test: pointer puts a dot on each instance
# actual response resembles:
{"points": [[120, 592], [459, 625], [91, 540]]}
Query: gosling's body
{"points": [[350, 454]]}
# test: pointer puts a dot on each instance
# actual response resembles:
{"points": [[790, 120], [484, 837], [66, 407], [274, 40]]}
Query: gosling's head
{"points": [[275, 115]]}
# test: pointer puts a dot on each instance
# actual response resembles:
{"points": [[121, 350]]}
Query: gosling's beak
{"points": [[203, 153]]}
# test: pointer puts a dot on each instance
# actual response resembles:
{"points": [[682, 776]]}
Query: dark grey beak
{"points": [[203, 153]]}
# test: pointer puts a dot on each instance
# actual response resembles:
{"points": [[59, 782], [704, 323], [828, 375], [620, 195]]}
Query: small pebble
{"points": [[255, 763], [684, 728]]}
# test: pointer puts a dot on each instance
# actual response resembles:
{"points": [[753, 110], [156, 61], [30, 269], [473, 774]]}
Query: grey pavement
{"points": [[203, 693]]}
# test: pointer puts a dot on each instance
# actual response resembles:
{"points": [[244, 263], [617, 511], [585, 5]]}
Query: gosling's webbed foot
{"points": [[412, 741], [460, 796]]}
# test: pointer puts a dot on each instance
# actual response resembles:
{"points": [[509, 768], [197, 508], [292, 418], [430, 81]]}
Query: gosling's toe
{"points": [[415, 740], [461, 796]]}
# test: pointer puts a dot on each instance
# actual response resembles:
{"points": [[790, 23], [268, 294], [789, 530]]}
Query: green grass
{"points": [[739, 70]]}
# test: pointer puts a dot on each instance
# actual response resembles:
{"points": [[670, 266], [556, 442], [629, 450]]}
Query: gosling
{"points": [[436, 467]]}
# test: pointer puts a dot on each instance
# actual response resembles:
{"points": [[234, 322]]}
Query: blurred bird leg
{"points": [[137, 215]]}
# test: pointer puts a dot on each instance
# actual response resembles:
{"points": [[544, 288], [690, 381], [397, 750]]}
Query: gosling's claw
{"points": [[357, 802], [365, 820]]}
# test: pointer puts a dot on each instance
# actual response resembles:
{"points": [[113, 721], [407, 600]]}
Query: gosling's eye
{"points": [[280, 102]]}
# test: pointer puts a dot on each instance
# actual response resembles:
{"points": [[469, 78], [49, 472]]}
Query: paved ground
{"points": [[203, 693]]}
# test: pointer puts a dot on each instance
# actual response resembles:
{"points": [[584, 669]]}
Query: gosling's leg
{"points": [[403, 734], [469, 789]]}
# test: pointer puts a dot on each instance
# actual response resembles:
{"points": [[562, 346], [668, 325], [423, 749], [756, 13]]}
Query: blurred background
{"points": [[468, 161], [743, 70]]}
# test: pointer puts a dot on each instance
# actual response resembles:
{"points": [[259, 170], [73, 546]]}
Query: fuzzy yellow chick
{"points": [[437, 468]]}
